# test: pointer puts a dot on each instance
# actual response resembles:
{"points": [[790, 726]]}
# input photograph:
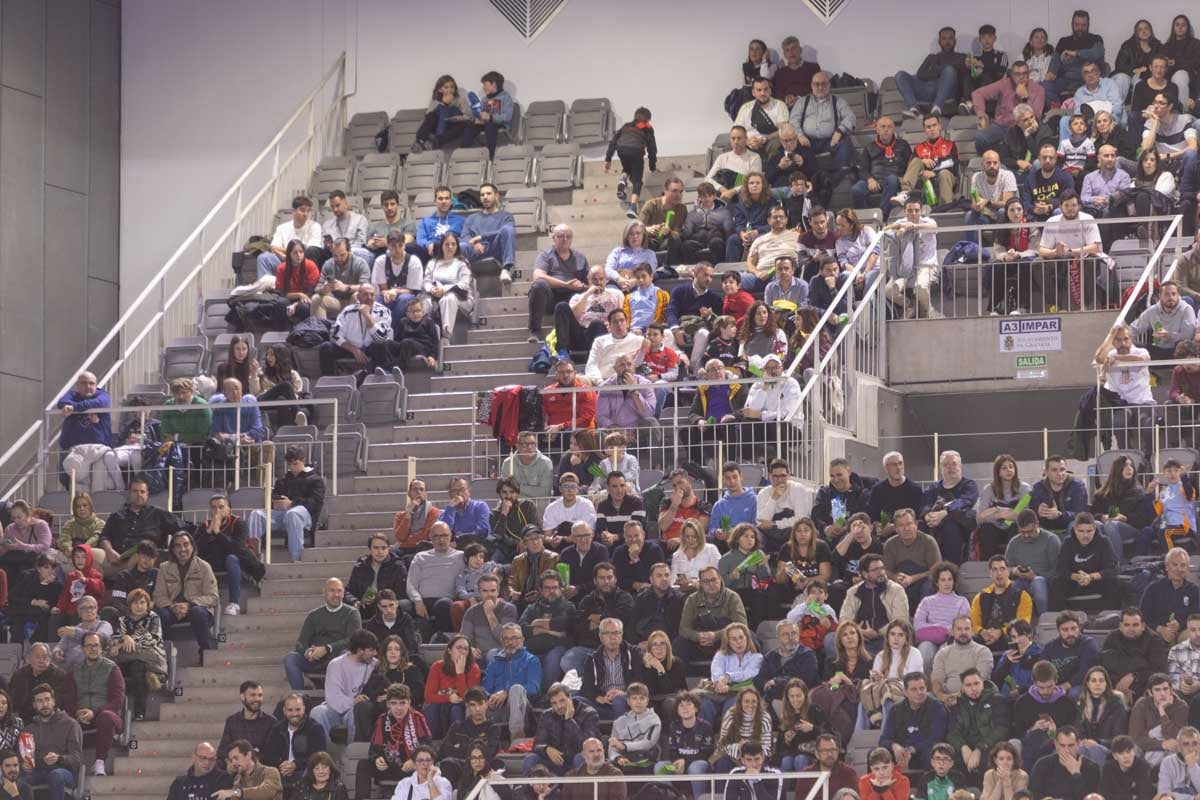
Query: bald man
{"points": [[324, 635], [87, 437], [202, 777]]}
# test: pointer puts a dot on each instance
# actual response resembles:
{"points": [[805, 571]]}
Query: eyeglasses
{"points": [[571, 486]]}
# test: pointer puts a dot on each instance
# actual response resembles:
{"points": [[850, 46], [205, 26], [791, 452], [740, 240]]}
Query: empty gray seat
{"points": [[422, 204], [339, 387], [512, 166], [381, 400], [560, 166], [423, 171], [544, 122], [212, 317], [402, 130], [351, 448], [377, 173], [528, 209], [184, 357], [151, 394], [108, 502], [512, 133], [58, 502], [195, 500], [245, 499], [590, 121], [720, 145], [332, 174], [272, 338], [361, 133], [466, 169]]}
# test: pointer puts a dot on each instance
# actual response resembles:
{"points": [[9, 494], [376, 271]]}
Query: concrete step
{"points": [[356, 538], [251, 663], [248, 627], [125, 786], [421, 450], [399, 468], [224, 675], [171, 751], [361, 520], [392, 484], [452, 382], [293, 570], [504, 305], [461, 429], [486, 350], [602, 206], [297, 587], [334, 555], [491, 366], [667, 165], [148, 733], [126, 767], [439, 399], [263, 605], [361, 502], [436, 416], [221, 695], [492, 336], [595, 246], [505, 321]]}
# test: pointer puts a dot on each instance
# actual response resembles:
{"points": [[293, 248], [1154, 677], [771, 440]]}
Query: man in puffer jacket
{"points": [[561, 731], [1131, 654], [980, 721], [95, 696]]}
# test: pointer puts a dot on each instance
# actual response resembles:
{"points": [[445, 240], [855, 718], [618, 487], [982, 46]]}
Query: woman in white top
{"points": [[694, 554], [448, 282], [898, 657]]}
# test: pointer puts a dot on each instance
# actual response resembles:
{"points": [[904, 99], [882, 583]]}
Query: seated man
{"points": [[786, 286], [462, 736], [325, 634], [291, 740], [1007, 92], [774, 398], [991, 189], [999, 604], [249, 723], [432, 228], [761, 117], [779, 241], [340, 274], [793, 78], [1105, 187], [345, 678], [603, 685], [58, 745], [958, 657], [734, 164], [95, 696], [188, 427], [494, 115], [1072, 653], [362, 334], [570, 507], [1158, 725], [824, 123], [605, 349], [705, 614], [243, 425], [463, 516], [398, 275], [302, 227], [617, 508], [580, 321], [389, 620], [296, 502], [823, 287], [939, 80], [558, 273], [186, 591], [549, 624], [737, 504], [910, 555], [1169, 322], [635, 559], [1064, 772], [714, 410], [481, 623], [346, 224], [582, 557], [221, 542], [892, 493], [513, 515], [1102, 94], [1183, 660], [1058, 497], [680, 506], [431, 577], [1021, 145], [1169, 601], [377, 570], [935, 161], [628, 408], [910, 255], [412, 523], [790, 659], [788, 161], [1038, 712], [1032, 554], [844, 495], [136, 521], [871, 604], [1131, 654], [705, 231], [561, 732], [492, 233], [567, 412], [948, 507], [1042, 190], [513, 678], [1073, 235], [88, 437], [1086, 566], [663, 218], [913, 726], [881, 164], [202, 778], [392, 222]]}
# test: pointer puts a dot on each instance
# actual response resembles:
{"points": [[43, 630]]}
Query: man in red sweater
{"points": [[566, 412], [829, 759], [95, 697]]}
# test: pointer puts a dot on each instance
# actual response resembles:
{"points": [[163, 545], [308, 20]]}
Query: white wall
{"points": [[207, 84]]}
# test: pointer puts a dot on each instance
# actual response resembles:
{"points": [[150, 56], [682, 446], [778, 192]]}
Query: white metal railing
{"points": [[1149, 427], [171, 301], [819, 788]]}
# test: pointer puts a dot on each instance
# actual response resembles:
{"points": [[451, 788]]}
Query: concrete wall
{"points": [[60, 101], [963, 355]]}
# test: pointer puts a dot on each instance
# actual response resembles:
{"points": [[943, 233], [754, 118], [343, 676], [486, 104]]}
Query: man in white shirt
{"points": [[761, 117], [1119, 357], [910, 255], [740, 160], [780, 505], [767, 403], [568, 509], [780, 240], [991, 188], [605, 349], [1071, 241], [346, 224], [303, 227]]}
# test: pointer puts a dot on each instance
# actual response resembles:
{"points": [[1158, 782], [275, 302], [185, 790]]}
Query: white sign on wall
{"points": [[1030, 334]]}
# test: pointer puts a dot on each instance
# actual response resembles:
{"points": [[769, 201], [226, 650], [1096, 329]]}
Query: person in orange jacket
{"points": [[85, 579], [884, 779]]}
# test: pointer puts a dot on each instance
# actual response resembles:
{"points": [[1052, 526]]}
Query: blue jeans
{"points": [[558, 661], [754, 284], [989, 137], [234, 568], [935, 92], [56, 779], [1118, 534], [889, 187], [842, 152], [331, 720], [713, 708], [1039, 592], [694, 768], [619, 705], [399, 306], [295, 520], [441, 716], [796, 763], [199, 617], [267, 263], [295, 665], [500, 245]]}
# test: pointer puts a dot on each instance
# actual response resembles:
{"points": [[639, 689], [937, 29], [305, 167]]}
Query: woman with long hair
{"points": [[26, 536], [478, 769], [807, 322], [445, 119], [1010, 276], [618, 267], [395, 666], [750, 583], [758, 62], [838, 694], [1133, 59], [449, 283], [898, 657], [1102, 715], [295, 279], [854, 239], [11, 725], [799, 726], [994, 511], [1004, 777], [695, 553], [446, 686], [322, 780], [749, 212], [747, 720], [582, 452], [137, 647], [279, 380], [1044, 65], [804, 556], [1153, 189], [936, 613], [760, 336], [666, 675], [241, 365], [1121, 506], [1183, 50], [736, 664]]}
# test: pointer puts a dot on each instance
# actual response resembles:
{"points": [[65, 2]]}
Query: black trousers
{"points": [[571, 334], [543, 296], [692, 248], [634, 165], [385, 354]]}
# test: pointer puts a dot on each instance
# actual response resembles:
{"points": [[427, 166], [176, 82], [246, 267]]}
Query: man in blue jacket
{"points": [[512, 680], [738, 504], [911, 728], [1058, 497], [789, 660], [466, 517], [81, 427], [432, 228]]}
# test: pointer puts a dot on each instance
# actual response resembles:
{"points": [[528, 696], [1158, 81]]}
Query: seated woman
{"points": [[1102, 715], [395, 666], [449, 283], [804, 556], [935, 614], [854, 240], [1121, 506], [842, 675], [138, 649], [898, 657], [1009, 281], [447, 684], [995, 510], [446, 118], [665, 674], [747, 720], [734, 667], [1005, 777], [745, 570], [799, 726], [83, 527], [760, 336], [279, 380], [1152, 192], [694, 554], [619, 265]]}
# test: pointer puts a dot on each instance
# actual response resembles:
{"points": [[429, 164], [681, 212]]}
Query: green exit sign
{"points": [[1031, 362]]}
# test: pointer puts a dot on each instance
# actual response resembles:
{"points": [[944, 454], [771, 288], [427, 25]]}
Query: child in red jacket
{"points": [[85, 579], [884, 779], [737, 300]]}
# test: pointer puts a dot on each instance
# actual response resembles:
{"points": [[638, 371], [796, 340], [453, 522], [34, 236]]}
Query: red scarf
{"points": [[889, 150]]}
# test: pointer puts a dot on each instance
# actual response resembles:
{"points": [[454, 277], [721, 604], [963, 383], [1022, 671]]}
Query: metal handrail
{"points": [[1155, 257]]}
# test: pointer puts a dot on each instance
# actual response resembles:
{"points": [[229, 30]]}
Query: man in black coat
{"points": [[381, 568], [297, 734], [202, 778], [846, 494]]}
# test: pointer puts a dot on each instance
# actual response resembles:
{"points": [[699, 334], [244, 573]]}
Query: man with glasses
{"points": [[1032, 555], [948, 507], [824, 122], [567, 412], [780, 505], [829, 760], [431, 579], [564, 513], [532, 469], [513, 677], [95, 697], [549, 624], [1104, 93], [1008, 94], [558, 272], [465, 517], [582, 557], [705, 615], [88, 436], [871, 604], [202, 778]]}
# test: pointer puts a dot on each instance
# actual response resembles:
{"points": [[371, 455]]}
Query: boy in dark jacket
{"points": [[632, 142], [456, 745], [30, 601], [1086, 565], [379, 569], [1125, 775], [296, 502]]}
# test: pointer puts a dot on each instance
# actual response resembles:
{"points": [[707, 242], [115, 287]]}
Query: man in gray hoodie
{"points": [[58, 742], [1169, 321]]}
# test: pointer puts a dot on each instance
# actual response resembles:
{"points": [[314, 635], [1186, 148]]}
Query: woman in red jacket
{"points": [[884, 779], [447, 684], [85, 579]]}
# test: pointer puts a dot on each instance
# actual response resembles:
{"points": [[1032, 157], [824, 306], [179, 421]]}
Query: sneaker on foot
{"points": [[632, 211], [965, 108], [379, 371], [506, 277], [621, 186], [232, 610], [912, 113], [301, 418], [936, 110], [532, 339], [98, 768], [900, 199]]}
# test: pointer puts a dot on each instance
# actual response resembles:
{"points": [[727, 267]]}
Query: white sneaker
{"points": [[506, 278], [900, 199], [232, 610], [98, 768], [912, 113]]}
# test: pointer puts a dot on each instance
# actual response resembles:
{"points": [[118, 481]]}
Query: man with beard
{"points": [[846, 494], [980, 721], [1019, 149], [1169, 322], [250, 723], [291, 741], [594, 764], [960, 655], [251, 779], [202, 778], [1080, 48], [95, 696], [492, 233], [991, 189], [39, 670], [1072, 654], [1086, 566], [58, 742], [12, 787], [789, 660]]}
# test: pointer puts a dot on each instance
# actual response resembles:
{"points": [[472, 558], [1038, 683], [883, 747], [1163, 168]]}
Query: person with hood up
{"points": [[85, 579], [1086, 566], [1038, 713], [186, 590]]}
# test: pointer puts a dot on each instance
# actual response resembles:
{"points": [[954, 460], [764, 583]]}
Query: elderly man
{"points": [[362, 334], [825, 122], [1019, 149], [38, 669], [713, 411], [594, 764], [325, 634], [431, 579], [788, 660], [581, 320], [772, 400], [558, 273], [1169, 601], [628, 408], [202, 778], [87, 437], [948, 507], [896, 491], [790, 160], [881, 164], [910, 555]]}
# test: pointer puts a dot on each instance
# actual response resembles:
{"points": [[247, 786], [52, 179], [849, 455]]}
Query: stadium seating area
{"points": [[331, 501]]}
